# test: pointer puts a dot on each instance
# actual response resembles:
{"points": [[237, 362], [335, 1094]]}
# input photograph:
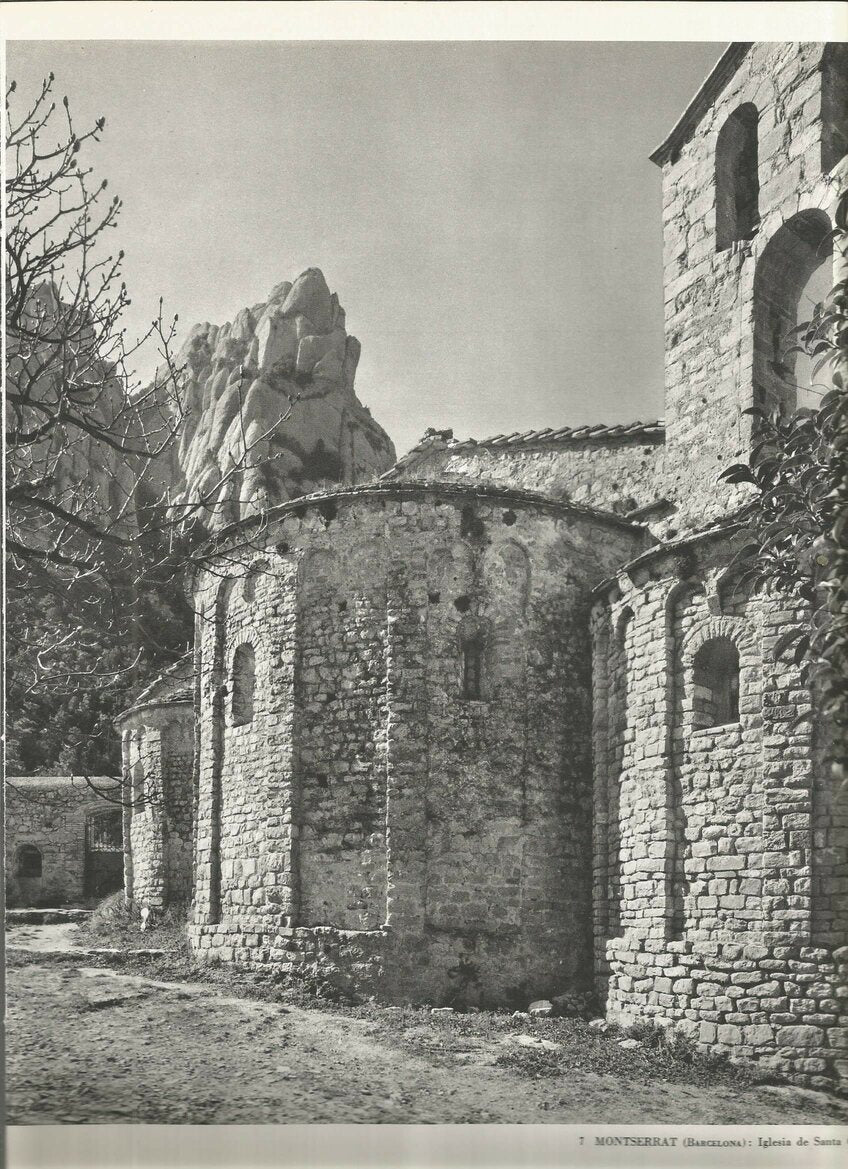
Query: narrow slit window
{"points": [[472, 669], [244, 678], [737, 184]]}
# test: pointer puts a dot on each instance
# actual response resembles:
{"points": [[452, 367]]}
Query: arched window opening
{"points": [[29, 861], [834, 106], [716, 684], [795, 272], [244, 676], [737, 183], [472, 668]]}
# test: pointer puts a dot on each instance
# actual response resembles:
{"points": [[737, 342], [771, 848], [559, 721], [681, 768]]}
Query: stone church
{"points": [[501, 723]]}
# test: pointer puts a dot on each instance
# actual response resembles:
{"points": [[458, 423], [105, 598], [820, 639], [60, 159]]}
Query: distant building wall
{"points": [[63, 841], [157, 738], [614, 468]]}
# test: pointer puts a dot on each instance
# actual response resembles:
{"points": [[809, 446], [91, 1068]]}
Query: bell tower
{"points": [[751, 173]]}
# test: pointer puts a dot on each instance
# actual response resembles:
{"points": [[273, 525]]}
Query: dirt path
{"points": [[89, 1044], [60, 937]]}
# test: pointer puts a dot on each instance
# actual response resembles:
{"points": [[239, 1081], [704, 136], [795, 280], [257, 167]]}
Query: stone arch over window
{"points": [[719, 672], [29, 862], [506, 575], [834, 105], [243, 685], [737, 184], [794, 272]]}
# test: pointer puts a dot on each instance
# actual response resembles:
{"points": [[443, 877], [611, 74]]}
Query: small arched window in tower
{"points": [[29, 861], [472, 668], [716, 684], [834, 105], [737, 183], [244, 677]]}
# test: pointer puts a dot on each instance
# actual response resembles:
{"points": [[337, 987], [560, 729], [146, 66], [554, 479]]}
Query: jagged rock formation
{"points": [[271, 411]]}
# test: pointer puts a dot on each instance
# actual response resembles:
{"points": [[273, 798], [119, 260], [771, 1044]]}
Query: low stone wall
{"points": [[351, 960], [442, 968], [783, 1007]]}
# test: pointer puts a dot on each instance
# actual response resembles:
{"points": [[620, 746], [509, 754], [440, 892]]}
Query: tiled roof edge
{"points": [[637, 431]]}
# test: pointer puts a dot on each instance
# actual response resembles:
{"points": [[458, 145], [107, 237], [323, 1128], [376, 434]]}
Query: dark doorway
{"points": [[104, 853]]}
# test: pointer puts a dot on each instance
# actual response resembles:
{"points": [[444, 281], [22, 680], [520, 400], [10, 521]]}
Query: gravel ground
{"points": [[87, 1043]]}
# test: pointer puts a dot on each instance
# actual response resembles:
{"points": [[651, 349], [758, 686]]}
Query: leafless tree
{"points": [[80, 434], [92, 535]]}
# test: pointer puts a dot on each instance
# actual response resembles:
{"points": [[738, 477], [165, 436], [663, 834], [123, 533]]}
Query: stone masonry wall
{"points": [[710, 309], [613, 474], [732, 921], [374, 820], [341, 707], [49, 812], [158, 751]]}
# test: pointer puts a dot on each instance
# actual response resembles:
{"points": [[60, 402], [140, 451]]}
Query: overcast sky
{"points": [[486, 211]]}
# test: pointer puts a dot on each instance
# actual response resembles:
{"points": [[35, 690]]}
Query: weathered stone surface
{"points": [[801, 1036], [242, 378], [157, 739], [368, 773], [616, 471]]}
